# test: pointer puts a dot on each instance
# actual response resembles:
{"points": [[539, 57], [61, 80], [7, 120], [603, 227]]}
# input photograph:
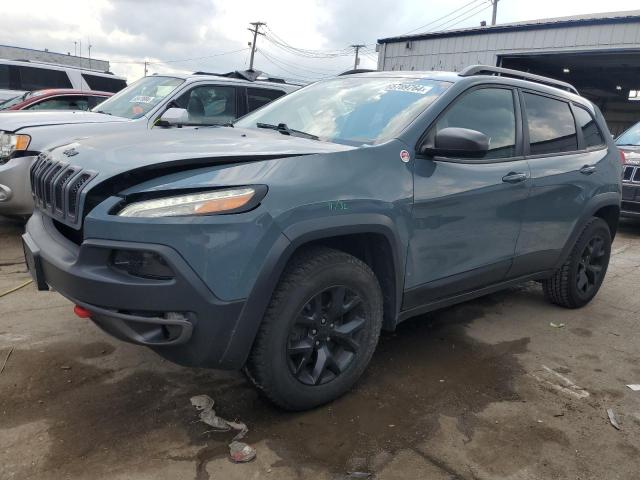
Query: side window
{"points": [[590, 131], [95, 101], [257, 97], [209, 105], [487, 110], [104, 84], [32, 78], [61, 103], [552, 128]]}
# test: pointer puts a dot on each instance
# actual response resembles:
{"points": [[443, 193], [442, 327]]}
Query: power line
{"points": [[482, 6], [316, 70], [299, 77], [473, 14], [443, 17], [141, 62]]}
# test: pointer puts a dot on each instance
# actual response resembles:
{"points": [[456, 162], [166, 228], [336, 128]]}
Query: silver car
{"points": [[154, 101]]}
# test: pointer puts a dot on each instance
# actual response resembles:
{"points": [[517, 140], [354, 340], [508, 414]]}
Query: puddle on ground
{"points": [[427, 368]]}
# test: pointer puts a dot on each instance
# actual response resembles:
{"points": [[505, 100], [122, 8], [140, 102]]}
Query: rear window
{"points": [[104, 84], [34, 78], [590, 131], [552, 128], [257, 97]]}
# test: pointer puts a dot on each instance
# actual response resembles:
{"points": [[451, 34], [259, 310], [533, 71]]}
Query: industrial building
{"points": [[597, 53], [65, 59]]}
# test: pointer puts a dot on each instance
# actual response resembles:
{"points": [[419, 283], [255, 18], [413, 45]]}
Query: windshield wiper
{"points": [[282, 128], [102, 111]]}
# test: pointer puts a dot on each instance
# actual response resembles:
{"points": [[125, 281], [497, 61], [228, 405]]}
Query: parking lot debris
{"points": [[4, 364], [634, 387], [358, 475], [240, 452], [15, 289], [556, 325], [204, 403], [612, 419]]}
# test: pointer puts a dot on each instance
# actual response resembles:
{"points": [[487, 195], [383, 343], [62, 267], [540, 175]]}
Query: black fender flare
{"points": [[291, 239], [608, 199]]}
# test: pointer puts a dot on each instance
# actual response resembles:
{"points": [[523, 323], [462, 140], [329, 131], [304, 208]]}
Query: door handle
{"points": [[514, 177], [588, 169]]}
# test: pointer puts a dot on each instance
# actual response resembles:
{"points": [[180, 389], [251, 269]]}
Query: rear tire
{"points": [[319, 332], [578, 280]]}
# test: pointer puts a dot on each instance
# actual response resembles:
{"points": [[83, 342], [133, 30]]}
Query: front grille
{"points": [[630, 207], [631, 174], [56, 188]]}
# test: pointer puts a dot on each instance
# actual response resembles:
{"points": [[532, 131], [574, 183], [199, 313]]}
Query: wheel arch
{"points": [[370, 237], [605, 206]]}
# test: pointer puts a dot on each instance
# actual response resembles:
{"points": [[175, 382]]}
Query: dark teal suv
{"points": [[284, 243]]}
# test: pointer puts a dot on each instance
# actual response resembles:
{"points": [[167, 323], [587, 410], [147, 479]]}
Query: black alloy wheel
{"points": [[326, 336], [591, 265]]}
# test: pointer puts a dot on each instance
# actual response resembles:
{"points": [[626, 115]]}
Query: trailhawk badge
{"points": [[405, 156]]}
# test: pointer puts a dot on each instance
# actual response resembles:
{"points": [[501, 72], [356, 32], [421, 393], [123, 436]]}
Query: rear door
{"points": [[467, 213], [564, 147]]}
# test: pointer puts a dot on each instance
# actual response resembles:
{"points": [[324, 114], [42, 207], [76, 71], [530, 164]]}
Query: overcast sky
{"points": [[129, 31]]}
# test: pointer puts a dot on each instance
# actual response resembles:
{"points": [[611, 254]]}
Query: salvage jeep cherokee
{"points": [[285, 242]]}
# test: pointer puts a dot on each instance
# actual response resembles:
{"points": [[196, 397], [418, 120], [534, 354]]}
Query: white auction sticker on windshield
{"points": [[142, 99], [409, 88]]}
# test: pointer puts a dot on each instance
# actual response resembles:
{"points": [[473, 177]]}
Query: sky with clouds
{"points": [[304, 39]]}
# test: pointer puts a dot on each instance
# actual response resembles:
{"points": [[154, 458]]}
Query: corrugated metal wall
{"points": [[453, 53]]}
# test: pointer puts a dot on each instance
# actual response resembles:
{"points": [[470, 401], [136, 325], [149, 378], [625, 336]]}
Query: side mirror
{"points": [[458, 142], [174, 117]]}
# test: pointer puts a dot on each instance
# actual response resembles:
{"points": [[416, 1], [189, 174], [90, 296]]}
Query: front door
{"points": [[467, 213]]}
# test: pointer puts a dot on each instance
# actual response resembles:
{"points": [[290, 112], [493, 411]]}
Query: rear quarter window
{"points": [[104, 84], [590, 131], [257, 97]]}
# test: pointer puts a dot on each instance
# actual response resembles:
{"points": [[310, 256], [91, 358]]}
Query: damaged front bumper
{"points": [[177, 316]]}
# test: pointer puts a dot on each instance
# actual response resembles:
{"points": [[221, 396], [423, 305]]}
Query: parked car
{"points": [[629, 144], [284, 243], [19, 76], [55, 99], [195, 100]]}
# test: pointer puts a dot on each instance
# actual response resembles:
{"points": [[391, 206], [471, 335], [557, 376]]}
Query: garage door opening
{"points": [[611, 80]]}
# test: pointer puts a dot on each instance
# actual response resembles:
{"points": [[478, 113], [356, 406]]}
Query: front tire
{"points": [[320, 330], [578, 280]]}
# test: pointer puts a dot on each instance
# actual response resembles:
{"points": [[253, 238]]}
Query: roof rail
{"points": [[507, 72]]}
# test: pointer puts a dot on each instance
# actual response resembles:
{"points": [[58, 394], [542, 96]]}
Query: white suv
{"points": [[18, 77], [203, 99]]}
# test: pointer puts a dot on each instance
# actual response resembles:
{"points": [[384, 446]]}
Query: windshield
{"points": [[630, 137], [13, 101], [350, 110], [140, 97]]}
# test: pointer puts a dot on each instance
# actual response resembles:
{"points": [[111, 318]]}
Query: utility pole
{"points": [[495, 11], [145, 68], [356, 61], [90, 53], [255, 30], [75, 49]]}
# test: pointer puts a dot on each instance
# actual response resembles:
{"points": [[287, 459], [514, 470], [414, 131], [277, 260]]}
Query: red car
{"points": [[55, 99]]}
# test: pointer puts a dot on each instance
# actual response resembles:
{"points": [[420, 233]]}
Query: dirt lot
{"points": [[484, 390]]}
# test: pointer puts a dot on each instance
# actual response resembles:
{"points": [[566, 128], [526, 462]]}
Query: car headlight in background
{"points": [[11, 143], [203, 203]]}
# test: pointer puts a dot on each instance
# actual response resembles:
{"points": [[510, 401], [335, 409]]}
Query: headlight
{"points": [[218, 201], [11, 143]]}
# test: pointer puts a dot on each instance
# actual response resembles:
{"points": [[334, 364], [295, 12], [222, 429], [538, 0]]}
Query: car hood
{"points": [[12, 121], [114, 154]]}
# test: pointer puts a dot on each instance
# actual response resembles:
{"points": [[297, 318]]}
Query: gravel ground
{"points": [[484, 390]]}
